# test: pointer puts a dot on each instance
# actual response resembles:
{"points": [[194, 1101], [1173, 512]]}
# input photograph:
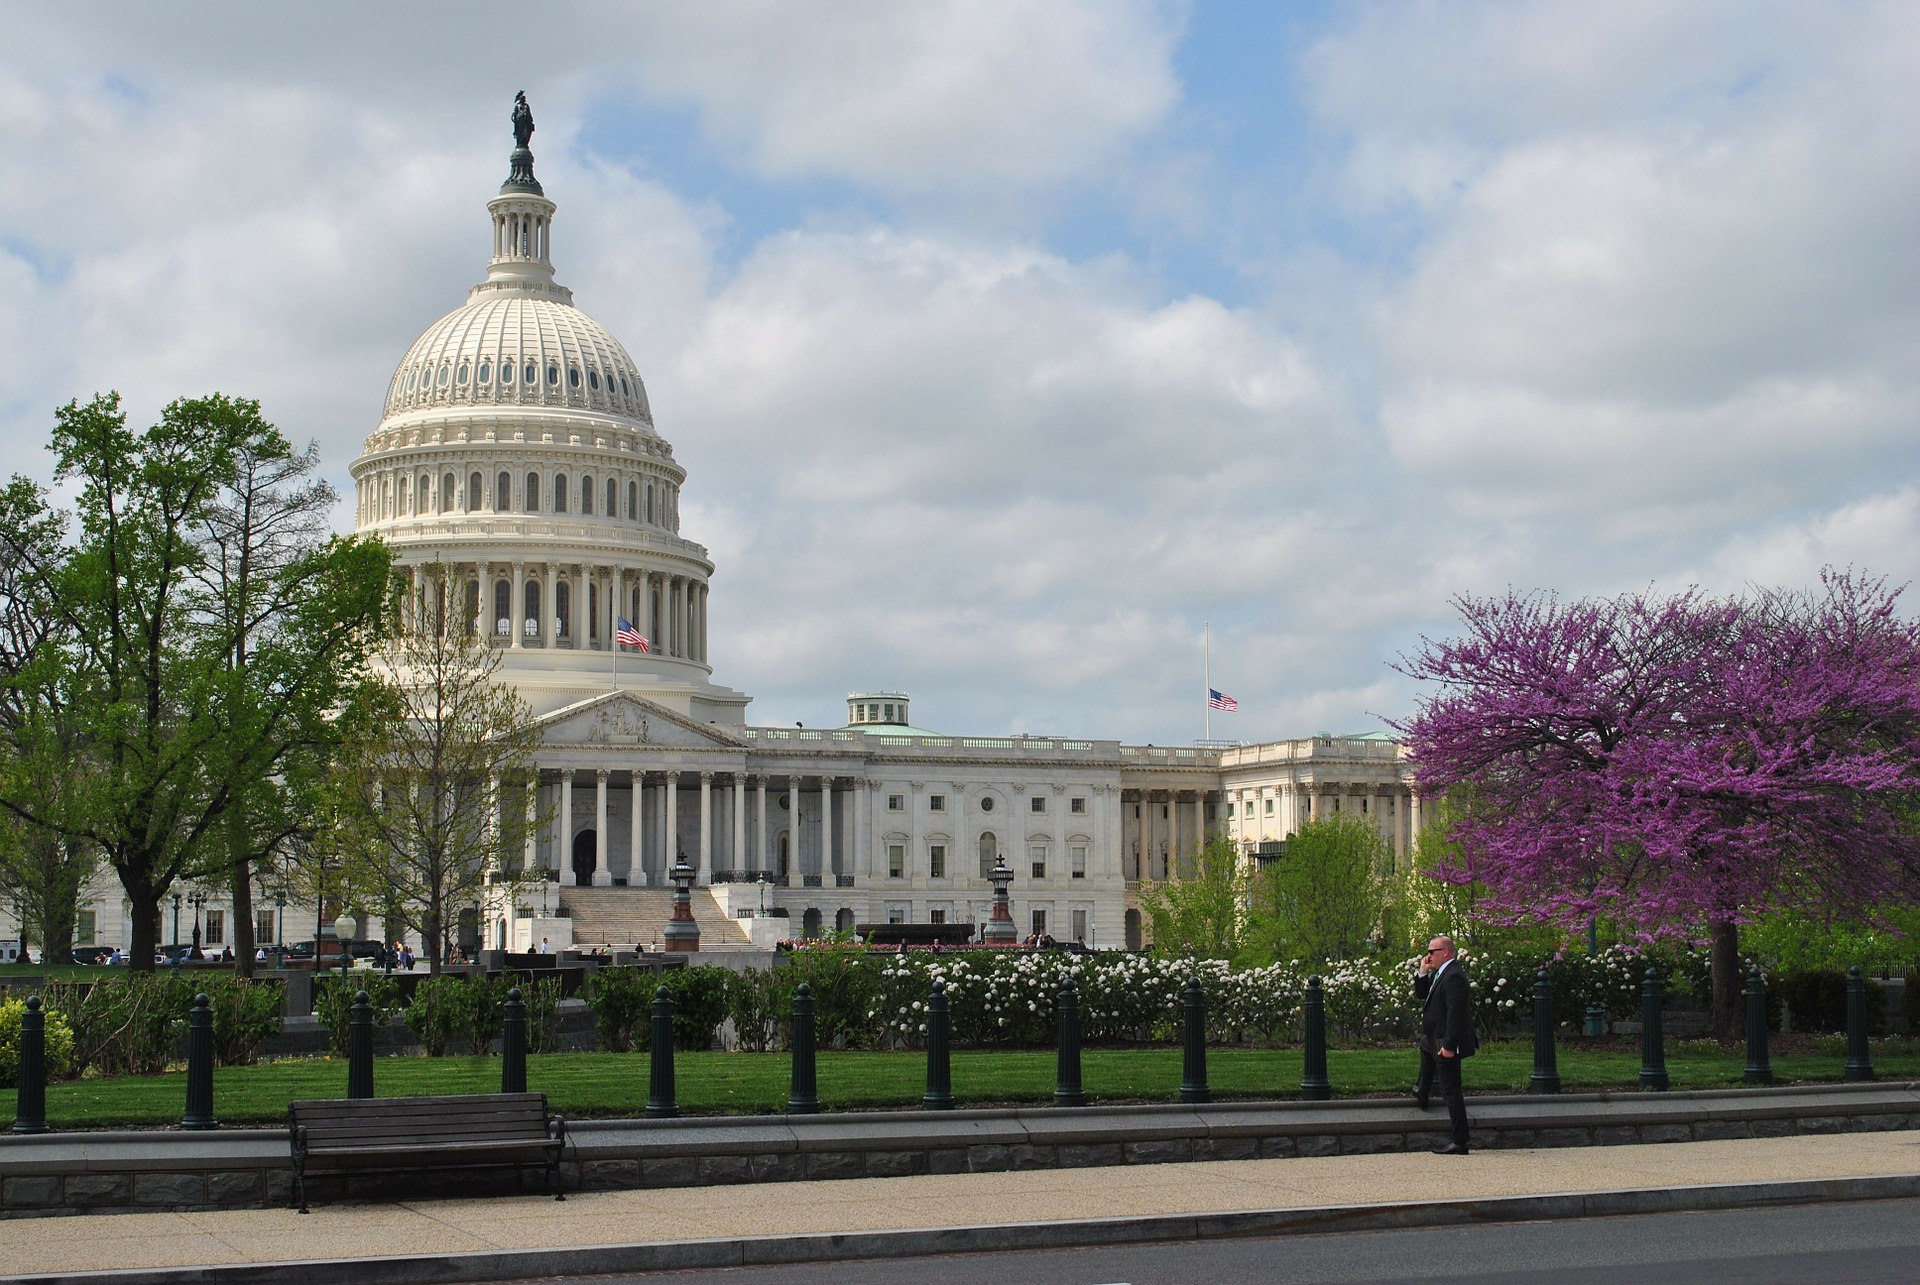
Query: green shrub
{"points": [[58, 1043], [699, 1005], [333, 1003], [125, 1025], [1817, 1000], [1910, 1004], [760, 1008], [246, 1014], [621, 1000], [438, 1012]]}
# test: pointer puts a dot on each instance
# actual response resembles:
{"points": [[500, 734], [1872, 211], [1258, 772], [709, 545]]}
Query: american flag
{"points": [[1220, 700], [627, 636]]}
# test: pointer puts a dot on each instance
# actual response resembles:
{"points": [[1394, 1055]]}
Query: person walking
{"points": [[1447, 1036]]}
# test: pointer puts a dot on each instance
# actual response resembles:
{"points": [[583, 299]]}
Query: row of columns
{"points": [[1143, 858], [761, 855], [389, 493], [674, 623], [1395, 810]]}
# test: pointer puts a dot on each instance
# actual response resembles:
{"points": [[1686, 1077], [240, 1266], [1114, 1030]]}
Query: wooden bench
{"points": [[400, 1135]]}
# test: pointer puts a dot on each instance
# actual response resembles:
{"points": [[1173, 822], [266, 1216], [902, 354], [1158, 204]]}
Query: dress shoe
{"points": [[1451, 1149], [1420, 1099]]}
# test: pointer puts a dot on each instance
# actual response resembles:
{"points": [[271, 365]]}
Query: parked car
{"points": [[92, 954]]}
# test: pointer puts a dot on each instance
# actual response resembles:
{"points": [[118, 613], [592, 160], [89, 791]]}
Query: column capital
{"points": [[706, 776], [601, 772]]}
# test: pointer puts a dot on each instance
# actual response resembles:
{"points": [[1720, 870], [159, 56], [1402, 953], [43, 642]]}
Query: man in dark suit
{"points": [[1446, 1036]]}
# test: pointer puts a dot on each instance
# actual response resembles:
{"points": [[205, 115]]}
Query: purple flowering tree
{"points": [[1679, 764]]}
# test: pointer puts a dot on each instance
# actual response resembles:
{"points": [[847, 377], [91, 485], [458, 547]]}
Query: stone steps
{"points": [[626, 917]]}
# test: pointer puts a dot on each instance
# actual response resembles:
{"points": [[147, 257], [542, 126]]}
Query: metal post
{"points": [[1315, 1086], [1759, 1070], [939, 1094], [513, 1043], [1193, 1044], [804, 1096], [1859, 1061], [30, 1110], [199, 1114], [1067, 1090], [660, 1094], [360, 1047], [1653, 1044], [1546, 1069]]}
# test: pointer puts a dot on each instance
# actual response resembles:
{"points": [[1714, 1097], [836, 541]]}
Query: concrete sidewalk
{"points": [[521, 1236]]}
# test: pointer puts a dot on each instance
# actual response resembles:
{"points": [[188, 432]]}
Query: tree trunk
{"points": [[146, 929], [1724, 962], [243, 943]]}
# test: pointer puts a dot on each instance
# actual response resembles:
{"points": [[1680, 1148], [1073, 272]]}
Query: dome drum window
{"points": [[573, 377], [553, 376], [593, 380], [473, 493], [533, 492], [486, 372], [532, 375], [559, 492], [462, 379], [446, 375], [586, 495], [503, 492]]}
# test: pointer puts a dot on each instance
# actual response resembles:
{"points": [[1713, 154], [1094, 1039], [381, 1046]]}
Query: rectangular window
{"points": [[896, 914], [1037, 854], [1039, 921], [896, 803], [1077, 857], [216, 927], [1269, 807], [1080, 925], [263, 926], [896, 861], [1363, 806], [936, 916], [86, 926], [1078, 807], [936, 803], [937, 861], [1038, 803]]}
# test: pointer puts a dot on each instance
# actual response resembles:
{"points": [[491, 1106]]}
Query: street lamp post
{"points": [[280, 927], [174, 950], [344, 926]]}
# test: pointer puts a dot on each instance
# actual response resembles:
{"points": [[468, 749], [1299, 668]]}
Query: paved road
{"points": [[1830, 1244]]}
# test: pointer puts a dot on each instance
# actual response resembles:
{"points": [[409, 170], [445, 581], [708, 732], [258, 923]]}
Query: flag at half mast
{"points": [[1220, 700], [627, 636]]}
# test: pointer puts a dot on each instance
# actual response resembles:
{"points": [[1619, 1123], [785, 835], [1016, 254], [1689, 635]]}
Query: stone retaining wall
{"points": [[242, 1168]]}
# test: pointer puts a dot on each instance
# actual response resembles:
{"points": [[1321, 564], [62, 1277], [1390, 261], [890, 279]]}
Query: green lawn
{"points": [[608, 1084]]}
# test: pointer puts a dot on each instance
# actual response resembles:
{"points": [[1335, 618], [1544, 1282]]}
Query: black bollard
{"points": [[513, 1043], [939, 1094], [1067, 1090], [1315, 1086], [1546, 1066], [660, 1093], [199, 1113], [804, 1096], [1193, 1044], [1859, 1061], [360, 1047], [1759, 1070], [1653, 1044], [30, 1110]]}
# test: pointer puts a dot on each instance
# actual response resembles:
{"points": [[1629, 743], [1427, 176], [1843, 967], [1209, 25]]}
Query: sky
{"points": [[1015, 348]]}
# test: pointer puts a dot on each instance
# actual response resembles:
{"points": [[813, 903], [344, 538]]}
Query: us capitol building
{"points": [[517, 468]]}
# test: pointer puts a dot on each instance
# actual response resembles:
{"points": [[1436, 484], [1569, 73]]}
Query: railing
{"points": [[810, 881], [748, 876], [1012, 744], [843, 881]]}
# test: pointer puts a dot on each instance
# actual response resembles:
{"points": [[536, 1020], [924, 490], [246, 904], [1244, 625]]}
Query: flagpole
{"points": [[1208, 716]]}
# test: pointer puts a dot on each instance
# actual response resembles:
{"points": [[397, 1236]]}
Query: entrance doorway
{"points": [[585, 856], [810, 923]]}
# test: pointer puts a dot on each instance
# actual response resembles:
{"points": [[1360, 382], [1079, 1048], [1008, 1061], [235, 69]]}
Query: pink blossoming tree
{"points": [[1679, 764]]}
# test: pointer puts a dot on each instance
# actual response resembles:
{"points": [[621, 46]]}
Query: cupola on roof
{"points": [[518, 342]]}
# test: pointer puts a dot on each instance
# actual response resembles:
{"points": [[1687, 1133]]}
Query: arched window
{"points": [[649, 502], [533, 492], [473, 492], [502, 608], [593, 610], [532, 626], [423, 493], [446, 492], [586, 495], [989, 853], [562, 601], [559, 492], [633, 501], [503, 493], [613, 499]]}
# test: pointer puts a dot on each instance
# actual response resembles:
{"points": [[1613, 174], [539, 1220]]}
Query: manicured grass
{"points": [[58, 972], [607, 1084]]}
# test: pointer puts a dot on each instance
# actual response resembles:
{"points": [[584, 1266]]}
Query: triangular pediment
{"points": [[621, 718]]}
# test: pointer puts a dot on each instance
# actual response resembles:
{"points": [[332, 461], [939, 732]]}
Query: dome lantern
{"points": [[522, 217]]}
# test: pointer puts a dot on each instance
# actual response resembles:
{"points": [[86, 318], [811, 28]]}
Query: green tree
{"points": [[135, 654], [1324, 898], [1202, 909], [431, 794]]}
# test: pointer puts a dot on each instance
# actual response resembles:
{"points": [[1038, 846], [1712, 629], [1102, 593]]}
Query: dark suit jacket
{"points": [[1447, 1020]]}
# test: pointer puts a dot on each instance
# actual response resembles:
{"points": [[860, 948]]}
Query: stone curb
{"points": [[750, 1251]]}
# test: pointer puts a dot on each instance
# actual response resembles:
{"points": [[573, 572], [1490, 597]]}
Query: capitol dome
{"points": [[517, 475]]}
